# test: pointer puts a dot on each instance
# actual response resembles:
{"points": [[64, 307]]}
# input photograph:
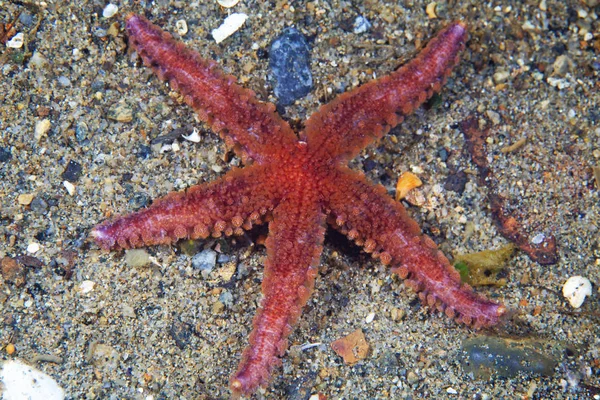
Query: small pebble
{"points": [[25, 199], [72, 171], [501, 76], [33, 248], [451, 391], [493, 116], [352, 348], [361, 25], [562, 65], [137, 258], [110, 10], [5, 154], [120, 112], [17, 41], [226, 298], [41, 129], [205, 261], [576, 289], [37, 60], [538, 239], [86, 287], [231, 25], [64, 81], [10, 349], [289, 61]]}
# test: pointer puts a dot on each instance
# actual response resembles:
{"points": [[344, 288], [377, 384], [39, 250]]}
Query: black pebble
{"points": [[5, 154], [456, 182], [72, 172], [289, 60]]}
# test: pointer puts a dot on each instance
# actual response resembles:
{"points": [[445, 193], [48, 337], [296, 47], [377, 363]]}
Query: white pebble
{"points": [[110, 10], [451, 391], [538, 239], [370, 318], [231, 24], [181, 27], [33, 248], [17, 41], [193, 137], [70, 187], [576, 289], [22, 381], [86, 287], [227, 3]]}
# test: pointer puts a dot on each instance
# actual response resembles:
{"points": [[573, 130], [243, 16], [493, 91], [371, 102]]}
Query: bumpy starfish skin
{"points": [[299, 185]]}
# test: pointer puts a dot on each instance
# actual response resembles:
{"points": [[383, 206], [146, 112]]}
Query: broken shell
{"points": [[576, 289], [407, 182], [231, 24]]}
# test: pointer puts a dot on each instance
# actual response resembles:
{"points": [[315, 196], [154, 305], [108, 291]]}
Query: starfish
{"points": [[299, 183]]}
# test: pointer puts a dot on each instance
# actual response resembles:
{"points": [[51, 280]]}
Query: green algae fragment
{"points": [[484, 267]]}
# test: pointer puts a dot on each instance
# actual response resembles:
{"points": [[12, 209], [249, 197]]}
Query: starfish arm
{"points": [[367, 215], [341, 128], [294, 246], [226, 206], [245, 123]]}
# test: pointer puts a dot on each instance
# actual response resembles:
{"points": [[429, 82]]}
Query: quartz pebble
{"points": [[231, 24], [110, 10], [576, 289]]}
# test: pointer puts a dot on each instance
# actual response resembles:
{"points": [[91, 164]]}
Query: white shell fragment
{"points": [[21, 381], [576, 289], [231, 24], [227, 3], [17, 41], [181, 27], [70, 187], [193, 137], [110, 10]]}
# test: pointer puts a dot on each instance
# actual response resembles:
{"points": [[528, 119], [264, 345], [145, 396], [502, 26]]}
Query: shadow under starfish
{"points": [[299, 183]]}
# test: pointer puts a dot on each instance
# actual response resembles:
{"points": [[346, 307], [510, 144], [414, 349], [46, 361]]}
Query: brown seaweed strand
{"points": [[544, 253], [354, 119], [368, 216], [230, 110]]}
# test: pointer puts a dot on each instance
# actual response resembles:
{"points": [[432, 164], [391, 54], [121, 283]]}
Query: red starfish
{"points": [[299, 184]]}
